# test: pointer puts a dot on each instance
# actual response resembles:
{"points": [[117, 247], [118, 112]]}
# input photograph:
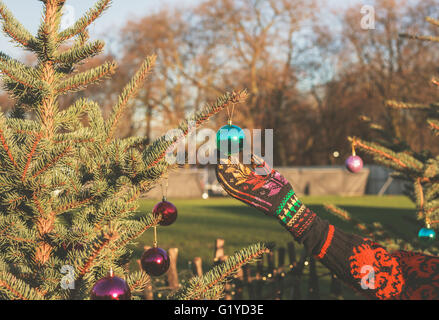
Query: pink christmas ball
{"points": [[111, 288], [354, 164], [168, 212], [155, 262]]}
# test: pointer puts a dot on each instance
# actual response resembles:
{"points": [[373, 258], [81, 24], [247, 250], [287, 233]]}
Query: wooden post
{"points": [[336, 287], [296, 290], [148, 292], [219, 250], [228, 286], [172, 273], [313, 283], [280, 277], [197, 267], [270, 262], [258, 282], [219, 257], [281, 258], [292, 254], [271, 284], [248, 282], [238, 285], [259, 269]]}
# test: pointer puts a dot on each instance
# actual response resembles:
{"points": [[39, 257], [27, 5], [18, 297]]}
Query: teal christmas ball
{"points": [[230, 139], [427, 235]]}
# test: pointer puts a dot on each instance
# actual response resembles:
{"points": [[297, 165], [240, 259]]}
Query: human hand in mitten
{"points": [[267, 190], [344, 254]]}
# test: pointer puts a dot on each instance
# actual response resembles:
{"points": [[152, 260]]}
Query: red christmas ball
{"points": [[111, 288], [155, 262], [354, 164], [168, 212]]}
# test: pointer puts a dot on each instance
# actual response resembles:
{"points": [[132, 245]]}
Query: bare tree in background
{"points": [[307, 80], [254, 45], [379, 65]]}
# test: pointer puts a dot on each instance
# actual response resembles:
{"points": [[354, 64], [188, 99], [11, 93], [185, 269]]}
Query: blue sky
{"points": [[28, 12]]}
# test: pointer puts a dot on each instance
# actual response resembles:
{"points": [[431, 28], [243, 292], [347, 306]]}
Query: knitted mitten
{"points": [[344, 254], [269, 192]]}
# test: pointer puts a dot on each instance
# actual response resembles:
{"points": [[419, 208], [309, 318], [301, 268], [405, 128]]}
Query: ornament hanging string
{"points": [[353, 148], [164, 186], [155, 243], [230, 114]]}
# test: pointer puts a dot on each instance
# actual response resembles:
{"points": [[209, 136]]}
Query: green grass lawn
{"points": [[201, 222]]}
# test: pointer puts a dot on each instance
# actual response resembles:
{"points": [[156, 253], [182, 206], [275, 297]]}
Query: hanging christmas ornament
{"points": [[354, 163], [111, 288], [230, 138], [427, 235], [155, 261], [166, 209]]}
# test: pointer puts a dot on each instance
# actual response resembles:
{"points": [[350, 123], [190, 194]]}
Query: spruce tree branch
{"points": [[81, 25], [148, 222], [420, 194], [95, 252], [30, 155], [37, 204], [14, 29], [99, 224], [53, 162], [23, 126], [198, 286], [135, 143], [75, 141], [82, 80], [52, 17], [20, 73], [434, 125], [3, 231], [25, 132], [138, 281], [5, 144], [48, 32], [17, 288], [340, 213], [345, 216], [382, 152], [73, 205], [404, 105], [157, 151], [128, 93], [80, 53], [72, 114]]}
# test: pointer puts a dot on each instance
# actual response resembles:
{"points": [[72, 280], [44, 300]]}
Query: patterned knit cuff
{"points": [[294, 215]]}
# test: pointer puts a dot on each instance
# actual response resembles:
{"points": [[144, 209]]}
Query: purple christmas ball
{"points": [[354, 164], [168, 212], [111, 288], [155, 262]]}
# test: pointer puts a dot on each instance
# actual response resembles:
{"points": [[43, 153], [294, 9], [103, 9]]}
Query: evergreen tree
{"points": [[420, 169], [68, 188]]}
